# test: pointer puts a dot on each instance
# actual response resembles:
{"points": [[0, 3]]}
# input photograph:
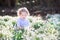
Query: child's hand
{"points": [[21, 27]]}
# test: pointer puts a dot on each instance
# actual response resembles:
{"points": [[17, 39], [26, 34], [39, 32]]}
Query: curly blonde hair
{"points": [[23, 9]]}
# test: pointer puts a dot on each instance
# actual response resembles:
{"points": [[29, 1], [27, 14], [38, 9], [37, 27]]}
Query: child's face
{"points": [[23, 15]]}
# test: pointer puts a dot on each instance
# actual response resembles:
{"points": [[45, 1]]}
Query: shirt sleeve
{"points": [[18, 23], [28, 23]]}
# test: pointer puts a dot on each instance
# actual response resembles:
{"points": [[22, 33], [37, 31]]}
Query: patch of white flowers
{"points": [[46, 31]]}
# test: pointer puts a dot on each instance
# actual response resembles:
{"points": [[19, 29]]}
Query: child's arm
{"points": [[18, 25]]}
